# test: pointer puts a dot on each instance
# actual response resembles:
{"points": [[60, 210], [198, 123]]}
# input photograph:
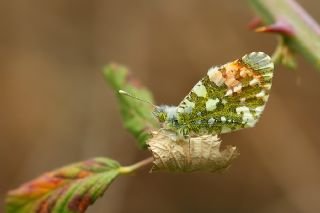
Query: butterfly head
{"points": [[165, 114], [160, 113]]}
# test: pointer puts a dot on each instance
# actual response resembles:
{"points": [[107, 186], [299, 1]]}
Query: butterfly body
{"points": [[230, 97]]}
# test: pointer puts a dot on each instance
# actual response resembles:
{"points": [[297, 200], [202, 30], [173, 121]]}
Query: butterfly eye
{"points": [[160, 114]]}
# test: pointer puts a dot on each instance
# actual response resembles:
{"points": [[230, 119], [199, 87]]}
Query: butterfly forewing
{"points": [[229, 97]]}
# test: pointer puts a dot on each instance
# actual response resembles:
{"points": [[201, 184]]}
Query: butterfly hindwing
{"points": [[229, 97]]}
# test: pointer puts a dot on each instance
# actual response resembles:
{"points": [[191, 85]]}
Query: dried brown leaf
{"points": [[201, 153]]}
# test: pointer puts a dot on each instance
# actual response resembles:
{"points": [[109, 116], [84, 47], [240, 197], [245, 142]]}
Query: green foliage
{"points": [[137, 116], [70, 189]]}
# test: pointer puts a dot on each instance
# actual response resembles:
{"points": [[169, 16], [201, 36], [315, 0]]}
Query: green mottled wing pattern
{"points": [[230, 97]]}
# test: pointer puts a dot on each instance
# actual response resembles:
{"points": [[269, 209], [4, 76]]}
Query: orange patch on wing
{"points": [[232, 74], [231, 82], [236, 71]]}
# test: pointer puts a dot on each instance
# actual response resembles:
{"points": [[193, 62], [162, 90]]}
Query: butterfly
{"points": [[228, 98]]}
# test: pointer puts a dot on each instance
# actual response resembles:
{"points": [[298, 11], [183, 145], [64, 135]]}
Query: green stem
{"points": [[277, 54], [283, 54], [305, 37], [132, 168]]}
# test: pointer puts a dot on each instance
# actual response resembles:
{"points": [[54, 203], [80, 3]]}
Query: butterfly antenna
{"points": [[122, 92]]}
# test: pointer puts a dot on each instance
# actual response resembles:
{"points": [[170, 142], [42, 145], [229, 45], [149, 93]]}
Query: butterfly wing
{"points": [[229, 97]]}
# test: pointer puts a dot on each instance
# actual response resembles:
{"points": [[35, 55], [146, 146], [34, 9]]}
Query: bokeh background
{"points": [[55, 107]]}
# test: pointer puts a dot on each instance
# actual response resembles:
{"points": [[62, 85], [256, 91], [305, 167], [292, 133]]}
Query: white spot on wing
{"points": [[211, 104], [259, 110], [212, 70], [224, 101], [254, 82], [211, 121], [223, 119], [229, 92], [268, 74], [200, 90], [267, 86], [265, 98], [261, 94], [216, 76], [237, 88], [247, 116], [186, 106]]}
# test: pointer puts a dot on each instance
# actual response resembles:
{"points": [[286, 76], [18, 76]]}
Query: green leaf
{"points": [[136, 115], [70, 189]]}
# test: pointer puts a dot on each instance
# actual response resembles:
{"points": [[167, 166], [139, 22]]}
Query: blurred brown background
{"points": [[55, 107]]}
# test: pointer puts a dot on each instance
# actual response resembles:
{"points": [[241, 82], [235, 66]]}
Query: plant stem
{"points": [[276, 56], [305, 37], [283, 54], [134, 167]]}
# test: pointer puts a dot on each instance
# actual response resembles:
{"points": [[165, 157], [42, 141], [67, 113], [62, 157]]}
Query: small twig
{"points": [[136, 166], [288, 19], [276, 56], [283, 54]]}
